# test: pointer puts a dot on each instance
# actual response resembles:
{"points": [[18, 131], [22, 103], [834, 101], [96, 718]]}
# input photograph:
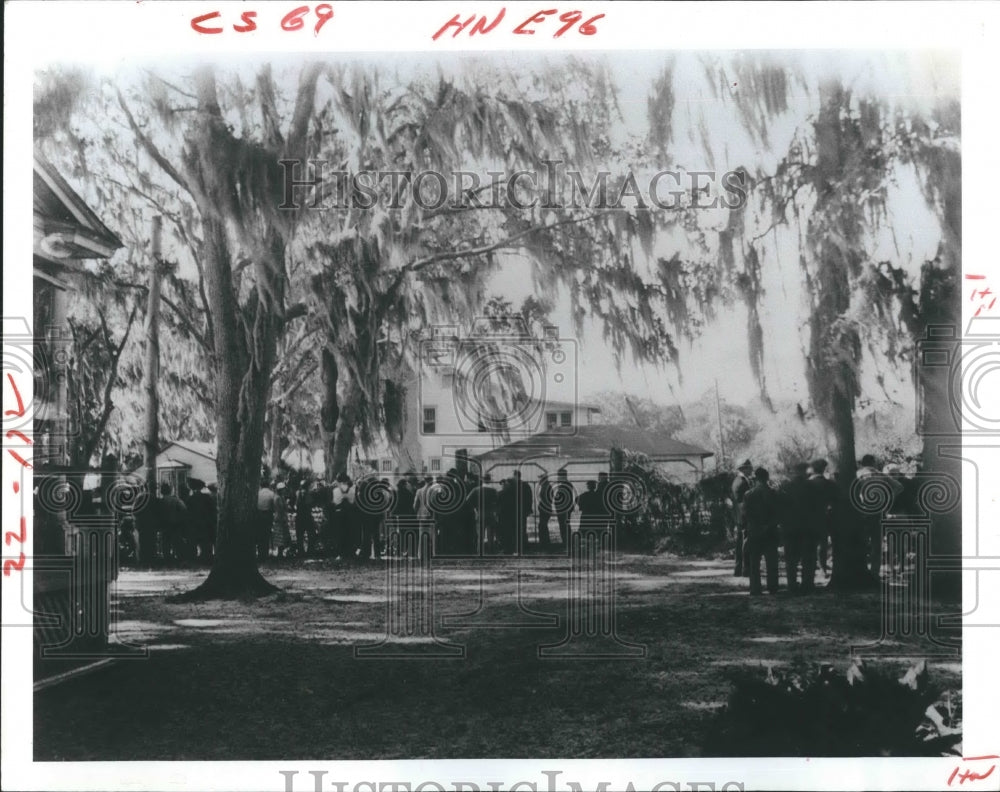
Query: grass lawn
{"points": [[277, 678]]}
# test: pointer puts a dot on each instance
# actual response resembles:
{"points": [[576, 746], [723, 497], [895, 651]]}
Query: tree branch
{"points": [[305, 101], [151, 147], [421, 264], [185, 321], [291, 389]]}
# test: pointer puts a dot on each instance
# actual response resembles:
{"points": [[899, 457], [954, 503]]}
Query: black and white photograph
{"points": [[458, 403]]}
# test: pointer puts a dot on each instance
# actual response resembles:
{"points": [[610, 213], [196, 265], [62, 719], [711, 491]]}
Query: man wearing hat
{"points": [[202, 508], [761, 506], [740, 488]]}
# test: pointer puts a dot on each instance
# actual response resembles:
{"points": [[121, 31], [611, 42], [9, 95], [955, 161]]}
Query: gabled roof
{"points": [[65, 227], [198, 447], [596, 442]]}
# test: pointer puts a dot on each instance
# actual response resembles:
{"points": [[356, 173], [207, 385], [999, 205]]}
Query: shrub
{"points": [[816, 712]]}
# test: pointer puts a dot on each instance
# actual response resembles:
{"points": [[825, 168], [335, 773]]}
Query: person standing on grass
{"points": [[823, 499], [872, 523], [507, 516], [281, 537], [564, 502], [589, 504], [762, 513], [369, 517], [343, 518], [422, 509], [740, 487], [481, 507], [795, 524], [265, 519], [403, 516], [173, 515], [201, 506], [603, 503], [544, 510], [305, 526], [525, 507]]}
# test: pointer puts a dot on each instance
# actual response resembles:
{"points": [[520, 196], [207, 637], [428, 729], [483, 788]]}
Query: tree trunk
{"points": [[241, 387], [245, 345], [834, 345], [275, 439], [940, 296], [338, 452], [850, 569], [151, 438], [329, 412]]}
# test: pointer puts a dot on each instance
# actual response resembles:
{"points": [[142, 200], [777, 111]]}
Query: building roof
{"points": [[595, 442], [65, 227], [554, 404], [206, 450]]}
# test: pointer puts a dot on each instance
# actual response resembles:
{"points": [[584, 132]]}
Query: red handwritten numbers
{"points": [[539, 21], [21, 537], [982, 295], [293, 19], [296, 19], [961, 776]]}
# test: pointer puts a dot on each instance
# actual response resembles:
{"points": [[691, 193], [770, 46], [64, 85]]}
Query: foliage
{"points": [[812, 711], [92, 377], [671, 516]]}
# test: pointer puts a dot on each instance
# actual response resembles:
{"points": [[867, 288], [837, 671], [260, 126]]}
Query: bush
{"points": [[816, 712]]}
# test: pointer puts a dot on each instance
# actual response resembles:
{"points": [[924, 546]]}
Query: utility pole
{"points": [[722, 439], [635, 413], [152, 370]]}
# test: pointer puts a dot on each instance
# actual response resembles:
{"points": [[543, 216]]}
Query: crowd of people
{"points": [[459, 513], [176, 527], [804, 516]]}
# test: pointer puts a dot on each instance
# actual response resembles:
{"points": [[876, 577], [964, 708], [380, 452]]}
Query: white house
{"points": [[443, 429], [479, 391], [181, 460]]}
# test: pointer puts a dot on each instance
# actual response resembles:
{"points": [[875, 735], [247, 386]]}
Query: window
{"points": [[550, 420], [430, 420], [435, 464], [566, 418], [387, 466]]}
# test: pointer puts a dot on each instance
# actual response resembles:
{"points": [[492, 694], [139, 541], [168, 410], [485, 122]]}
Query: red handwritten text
{"points": [[539, 21], [960, 775], [211, 23], [982, 295]]}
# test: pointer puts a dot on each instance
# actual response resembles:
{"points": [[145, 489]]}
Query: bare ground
{"points": [[278, 678]]}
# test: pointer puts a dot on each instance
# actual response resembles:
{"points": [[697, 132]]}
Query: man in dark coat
{"points": [[603, 481], [507, 516], [823, 499], [544, 510], [563, 502], [795, 524], [173, 519], [525, 507], [305, 526], [762, 512], [592, 515], [481, 506], [202, 509]]}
